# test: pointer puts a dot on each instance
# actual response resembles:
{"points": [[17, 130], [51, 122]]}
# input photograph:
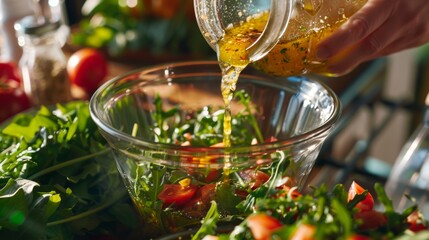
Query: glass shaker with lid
{"points": [[43, 63]]}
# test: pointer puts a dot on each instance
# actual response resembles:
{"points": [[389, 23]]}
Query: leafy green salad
{"points": [[58, 179], [337, 214]]}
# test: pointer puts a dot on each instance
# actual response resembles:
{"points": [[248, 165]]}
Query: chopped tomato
{"points": [[364, 205], [241, 193], [255, 178], [176, 194], [262, 225], [204, 194], [198, 205], [304, 232], [213, 175], [370, 219], [289, 191], [416, 222], [358, 237]]}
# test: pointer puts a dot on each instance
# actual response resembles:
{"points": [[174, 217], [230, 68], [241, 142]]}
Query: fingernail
{"points": [[323, 53]]}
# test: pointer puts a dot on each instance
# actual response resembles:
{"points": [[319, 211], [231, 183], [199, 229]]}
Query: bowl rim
{"points": [[294, 140]]}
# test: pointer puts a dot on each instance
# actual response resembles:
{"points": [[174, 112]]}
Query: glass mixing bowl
{"points": [[164, 125]]}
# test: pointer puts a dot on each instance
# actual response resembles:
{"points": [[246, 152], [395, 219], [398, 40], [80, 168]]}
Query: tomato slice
{"points": [[255, 178], [364, 205], [416, 222], [370, 219], [288, 191], [262, 225], [176, 194], [213, 175], [198, 205], [304, 232]]}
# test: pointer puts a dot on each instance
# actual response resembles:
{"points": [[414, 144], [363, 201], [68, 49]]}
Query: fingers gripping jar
{"points": [[43, 63]]}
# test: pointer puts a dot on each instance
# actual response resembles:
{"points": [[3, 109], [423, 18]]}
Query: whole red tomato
{"points": [[87, 68], [12, 98], [9, 71]]}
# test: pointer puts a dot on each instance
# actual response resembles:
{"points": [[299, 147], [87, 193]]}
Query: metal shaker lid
{"points": [[38, 27]]}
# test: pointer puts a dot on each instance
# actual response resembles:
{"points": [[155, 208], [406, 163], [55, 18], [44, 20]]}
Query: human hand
{"points": [[380, 28]]}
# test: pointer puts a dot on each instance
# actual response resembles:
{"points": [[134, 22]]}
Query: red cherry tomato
{"points": [[87, 68], [364, 205], [262, 225], [416, 222], [254, 177], [176, 194], [12, 98], [370, 219]]}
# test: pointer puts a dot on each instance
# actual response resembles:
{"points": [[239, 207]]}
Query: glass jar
{"points": [[311, 22], [279, 38], [43, 63]]}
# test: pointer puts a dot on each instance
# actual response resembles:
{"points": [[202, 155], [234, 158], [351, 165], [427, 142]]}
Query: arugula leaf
{"points": [[14, 199], [20, 205], [209, 222], [56, 169], [228, 201]]}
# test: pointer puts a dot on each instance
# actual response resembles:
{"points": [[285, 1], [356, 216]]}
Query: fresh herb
{"points": [[58, 178], [188, 184], [205, 126], [208, 223], [327, 212]]}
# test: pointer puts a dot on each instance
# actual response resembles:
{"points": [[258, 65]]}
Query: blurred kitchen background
{"points": [[383, 101]]}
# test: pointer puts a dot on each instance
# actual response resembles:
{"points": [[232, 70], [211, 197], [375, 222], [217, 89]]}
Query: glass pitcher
{"points": [[278, 37]]}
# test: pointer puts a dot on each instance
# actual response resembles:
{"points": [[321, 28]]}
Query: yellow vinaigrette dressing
{"points": [[293, 55], [233, 58]]}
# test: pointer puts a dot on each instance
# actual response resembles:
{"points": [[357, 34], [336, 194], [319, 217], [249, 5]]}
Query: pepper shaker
{"points": [[43, 63]]}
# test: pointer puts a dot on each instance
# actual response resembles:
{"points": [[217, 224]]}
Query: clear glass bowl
{"points": [[294, 116]]}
